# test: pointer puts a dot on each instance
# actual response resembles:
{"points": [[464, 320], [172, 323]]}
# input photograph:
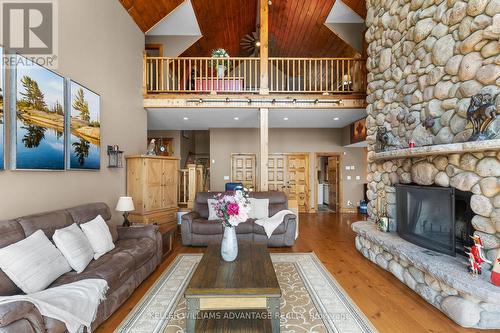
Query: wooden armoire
{"points": [[152, 182]]}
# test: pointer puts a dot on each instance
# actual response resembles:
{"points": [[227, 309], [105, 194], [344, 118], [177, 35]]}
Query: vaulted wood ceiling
{"points": [[296, 27]]}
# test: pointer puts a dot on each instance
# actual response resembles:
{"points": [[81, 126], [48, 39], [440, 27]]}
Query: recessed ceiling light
{"points": [[336, 118], [236, 118], [285, 118], [185, 118]]}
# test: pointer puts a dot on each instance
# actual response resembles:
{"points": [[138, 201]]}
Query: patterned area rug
{"points": [[312, 301]]}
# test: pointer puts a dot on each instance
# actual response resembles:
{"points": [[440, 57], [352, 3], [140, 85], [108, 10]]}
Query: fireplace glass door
{"points": [[426, 216]]}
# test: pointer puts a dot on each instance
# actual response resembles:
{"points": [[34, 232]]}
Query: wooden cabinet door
{"points": [[243, 169], [277, 172], [169, 184], [153, 191], [333, 180], [298, 180]]}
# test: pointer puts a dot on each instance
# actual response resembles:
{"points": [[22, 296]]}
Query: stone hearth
{"points": [[441, 280], [426, 58]]}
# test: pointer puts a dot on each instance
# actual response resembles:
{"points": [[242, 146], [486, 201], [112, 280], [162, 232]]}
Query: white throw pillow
{"points": [[75, 247], [259, 208], [33, 263], [99, 236], [212, 215]]}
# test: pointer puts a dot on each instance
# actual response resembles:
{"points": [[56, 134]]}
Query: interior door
{"points": [[277, 172], [169, 186], [333, 180], [154, 184], [243, 169], [298, 180]]}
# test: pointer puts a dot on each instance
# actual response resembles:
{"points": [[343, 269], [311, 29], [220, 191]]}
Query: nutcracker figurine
{"points": [[495, 273], [476, 252], [474, 268]]}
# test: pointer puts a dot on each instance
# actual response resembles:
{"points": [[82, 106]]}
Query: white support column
{"points": [[264, 149]]}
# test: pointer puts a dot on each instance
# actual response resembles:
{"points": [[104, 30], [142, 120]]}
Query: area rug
{"points": [[312, 301]]}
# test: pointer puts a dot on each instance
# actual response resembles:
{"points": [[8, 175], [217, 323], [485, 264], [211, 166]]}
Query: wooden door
{"points": [[277, 172], [154, 182], [298, 180], [333, 181], [169, 186], [243, 169]]}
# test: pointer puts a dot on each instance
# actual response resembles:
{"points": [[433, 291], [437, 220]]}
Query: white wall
{"points": [[225, 141], [100, 47]]}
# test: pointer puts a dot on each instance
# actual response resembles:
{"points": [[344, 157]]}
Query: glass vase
{"points": [[229, 245]]}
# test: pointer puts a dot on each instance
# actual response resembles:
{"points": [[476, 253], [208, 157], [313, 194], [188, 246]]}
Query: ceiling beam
{"points": [[264, 47]]}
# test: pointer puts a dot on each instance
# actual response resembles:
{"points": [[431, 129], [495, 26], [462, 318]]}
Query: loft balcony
{"points": [[241, 82]]}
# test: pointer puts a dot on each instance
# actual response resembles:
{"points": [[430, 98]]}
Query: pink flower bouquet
{"points": [[232, 209]]}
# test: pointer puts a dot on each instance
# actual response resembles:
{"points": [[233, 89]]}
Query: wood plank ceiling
{"points": [[296, 27]]}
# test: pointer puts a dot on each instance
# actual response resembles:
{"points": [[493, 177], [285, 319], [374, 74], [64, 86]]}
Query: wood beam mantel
{"points": [[264, 47]]}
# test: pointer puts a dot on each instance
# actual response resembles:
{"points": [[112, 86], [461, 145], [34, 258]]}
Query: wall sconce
{"points": [[115, 156]]}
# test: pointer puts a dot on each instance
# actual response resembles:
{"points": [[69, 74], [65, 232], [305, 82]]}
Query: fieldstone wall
{"points": [[426, 59]]}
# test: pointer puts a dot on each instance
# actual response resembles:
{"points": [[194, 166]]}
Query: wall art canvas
{"points": [[39, 118], [358, 131], [85, 128], [2, 117]]}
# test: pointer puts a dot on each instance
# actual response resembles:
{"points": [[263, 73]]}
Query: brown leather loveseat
{"points": [[197, 230], [137, 253]]}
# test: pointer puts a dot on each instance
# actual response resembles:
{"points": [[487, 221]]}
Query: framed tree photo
{"points": [[84, 137], [38, 118]]}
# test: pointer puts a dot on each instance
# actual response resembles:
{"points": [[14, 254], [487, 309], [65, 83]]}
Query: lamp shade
{"points": [[125, 204]]}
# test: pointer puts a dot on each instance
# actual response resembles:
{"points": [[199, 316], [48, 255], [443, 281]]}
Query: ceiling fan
{"points": [[250, 44]]}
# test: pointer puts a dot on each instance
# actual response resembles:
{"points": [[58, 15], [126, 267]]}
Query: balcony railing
{"points": [[242, 75]]}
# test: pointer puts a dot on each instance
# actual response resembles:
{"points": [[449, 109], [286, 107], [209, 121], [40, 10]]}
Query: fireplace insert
{"points": [[435, 218]]}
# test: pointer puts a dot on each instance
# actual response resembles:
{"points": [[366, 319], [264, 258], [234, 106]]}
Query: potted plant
{"points": [[220, 65]]}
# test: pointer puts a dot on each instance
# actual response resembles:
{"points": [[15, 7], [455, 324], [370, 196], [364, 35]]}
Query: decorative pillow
{"points": [[99, 236], [259, 208], [33, 263], [211, 211], [75, 247]]}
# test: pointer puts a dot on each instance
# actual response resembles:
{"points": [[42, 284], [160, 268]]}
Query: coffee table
{"points": [[248, 283]]}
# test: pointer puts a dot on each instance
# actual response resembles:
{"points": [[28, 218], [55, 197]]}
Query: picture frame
{"points": [[83, 130], [3, 132], [37, 117], [358, 131]]}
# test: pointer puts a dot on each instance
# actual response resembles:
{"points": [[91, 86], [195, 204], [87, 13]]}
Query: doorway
{"points": [[327, 182]]}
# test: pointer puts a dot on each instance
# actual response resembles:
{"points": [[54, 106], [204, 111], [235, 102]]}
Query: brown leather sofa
{"points": [[137, 253], [197, 230]]}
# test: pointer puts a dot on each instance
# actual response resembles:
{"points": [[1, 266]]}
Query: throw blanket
{"points": [[75, 304], [271, 223]]}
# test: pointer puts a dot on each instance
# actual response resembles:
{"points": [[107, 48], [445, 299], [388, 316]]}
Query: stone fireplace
{"points": [[437, 218], [426, 59]]}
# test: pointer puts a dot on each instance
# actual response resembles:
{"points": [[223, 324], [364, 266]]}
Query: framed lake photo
{"points": [[84, 136], [39, 116]]}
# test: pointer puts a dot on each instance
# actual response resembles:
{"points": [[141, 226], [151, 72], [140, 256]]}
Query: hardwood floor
{"points": [[389, 304]]}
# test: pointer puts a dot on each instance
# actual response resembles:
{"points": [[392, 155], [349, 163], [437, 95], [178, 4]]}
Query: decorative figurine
{"points": [[495, 273], [386, 139], [474, 268], [429, 122], [481, 113], [476, 252], [411, 144], [152, 148]]}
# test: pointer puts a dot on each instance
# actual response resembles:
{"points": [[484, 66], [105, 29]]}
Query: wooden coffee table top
{"points": [[251, 274]]}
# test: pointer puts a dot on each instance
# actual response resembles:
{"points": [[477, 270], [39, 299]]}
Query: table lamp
{"points": [[125, 205]]}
